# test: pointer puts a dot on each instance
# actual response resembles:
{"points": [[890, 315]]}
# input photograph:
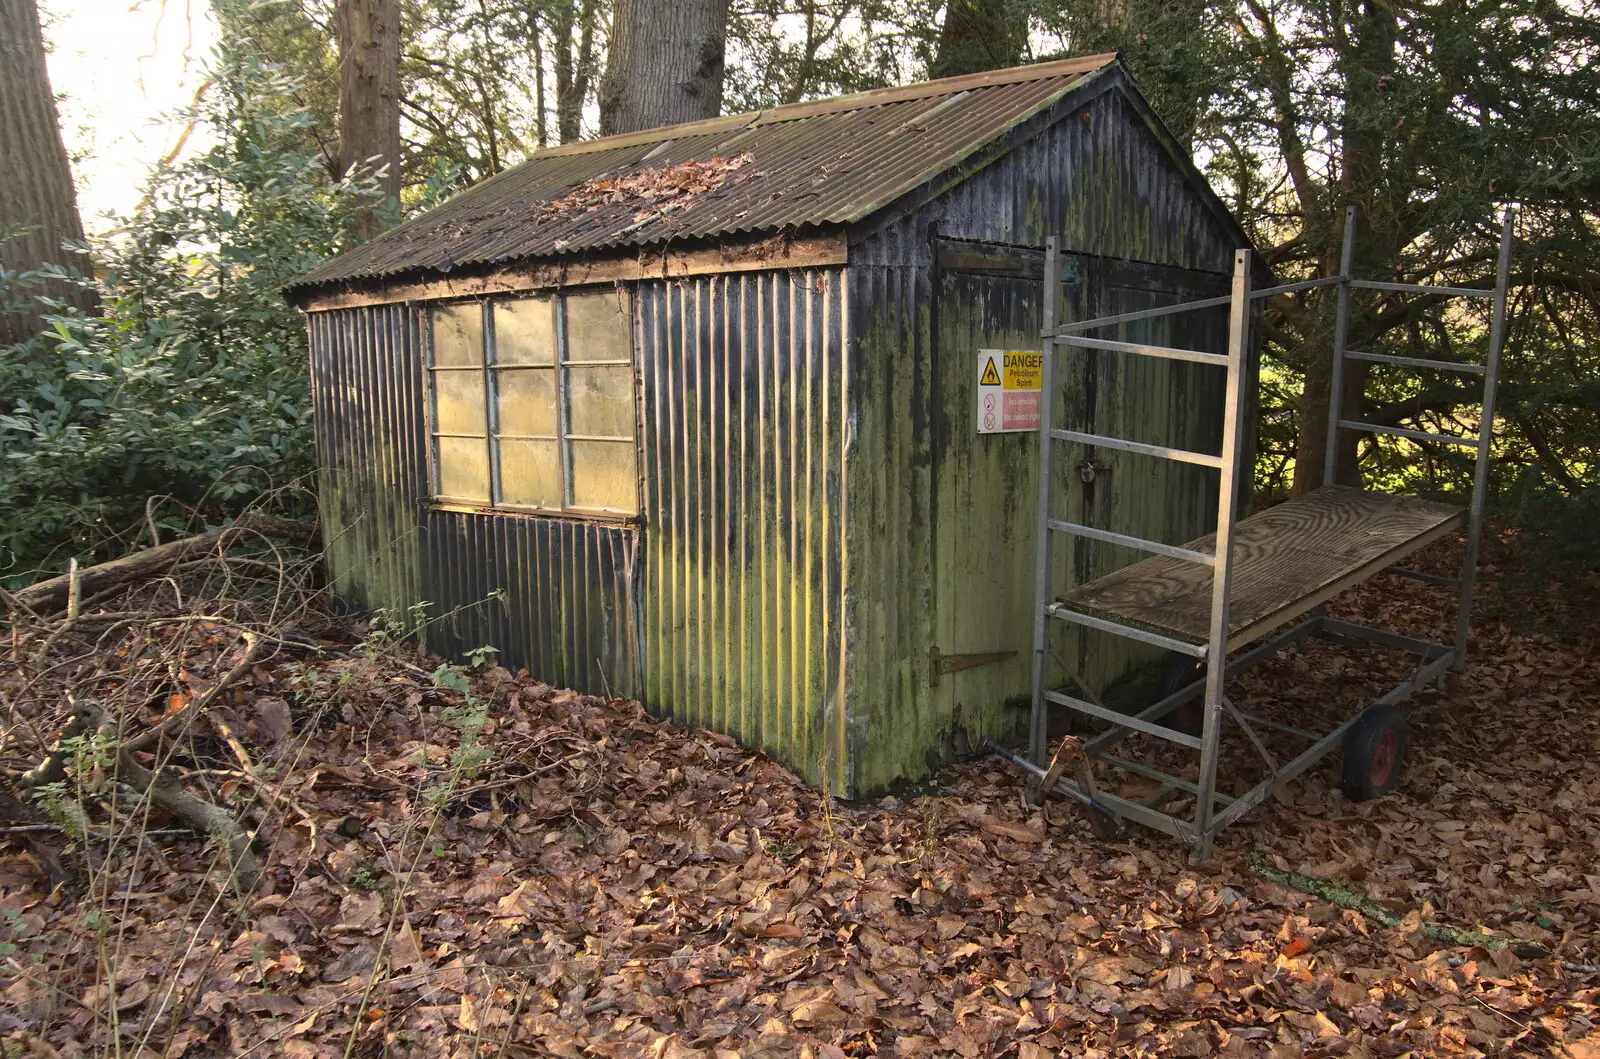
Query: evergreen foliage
{"points": [[192, 381]]}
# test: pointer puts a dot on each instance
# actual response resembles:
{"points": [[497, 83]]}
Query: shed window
{"points": [[533, 403]]}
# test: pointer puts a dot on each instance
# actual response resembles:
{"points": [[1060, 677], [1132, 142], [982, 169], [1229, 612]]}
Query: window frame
{"points": [[490, 368]]}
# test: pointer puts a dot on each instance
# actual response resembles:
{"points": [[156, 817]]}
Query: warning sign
{"points": [[1008, 390]]}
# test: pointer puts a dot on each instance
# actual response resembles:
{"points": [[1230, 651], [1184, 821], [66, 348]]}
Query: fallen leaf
{"points": [[358, 959], [819, 1012], [1020, 832], [405, 950], [360, 911], [132, 996]]}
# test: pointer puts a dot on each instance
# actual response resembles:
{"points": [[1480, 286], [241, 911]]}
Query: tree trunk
{"points": [[1368, 63], [536, 47], [665, 64], [369, 93], [35, 179], [980, 35], [575, 65]]}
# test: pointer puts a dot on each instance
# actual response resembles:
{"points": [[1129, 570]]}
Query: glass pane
{"points": [[525, 331], [464, 469], [599, 326], [530, 474], [459, 402], [603, 477], [526, 401], [458, 334], [602, 400]]}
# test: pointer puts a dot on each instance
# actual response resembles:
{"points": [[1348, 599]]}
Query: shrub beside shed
{"points": [[692, 414]]}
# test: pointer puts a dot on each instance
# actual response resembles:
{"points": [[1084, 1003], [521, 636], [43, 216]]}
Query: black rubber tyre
{"points": [[1181, 671], [1374, 753]]}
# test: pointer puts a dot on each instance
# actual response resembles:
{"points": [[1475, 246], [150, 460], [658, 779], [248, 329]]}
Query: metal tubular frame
{"points": [[1414, 362], [1199, 834], [1404, 432]]}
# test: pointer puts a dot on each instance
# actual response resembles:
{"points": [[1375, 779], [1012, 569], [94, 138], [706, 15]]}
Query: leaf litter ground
{"points": [[607, 884]]}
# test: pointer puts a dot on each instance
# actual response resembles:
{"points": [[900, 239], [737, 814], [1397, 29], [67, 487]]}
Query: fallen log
{"points": [[1335, 894], [163, 791], [51, 595], [167, 793]]}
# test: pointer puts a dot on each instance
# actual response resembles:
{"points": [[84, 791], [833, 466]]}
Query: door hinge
{"points": [[939, 665]]}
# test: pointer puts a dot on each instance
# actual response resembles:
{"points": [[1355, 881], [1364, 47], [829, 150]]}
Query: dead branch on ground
{"points": [[134, 633], [52, 594]]}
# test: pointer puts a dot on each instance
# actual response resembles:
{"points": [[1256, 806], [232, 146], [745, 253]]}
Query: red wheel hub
{"points": [[1383, 757]]}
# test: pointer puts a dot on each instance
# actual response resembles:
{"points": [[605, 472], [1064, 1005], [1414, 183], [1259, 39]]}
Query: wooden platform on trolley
{"points": [[1287, 560]]}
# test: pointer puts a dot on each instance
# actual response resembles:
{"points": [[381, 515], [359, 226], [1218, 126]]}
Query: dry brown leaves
{"points": [[651, 192], [609, 884]]}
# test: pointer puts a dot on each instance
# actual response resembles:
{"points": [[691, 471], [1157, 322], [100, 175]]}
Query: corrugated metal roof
{"points": [[832, 161]]}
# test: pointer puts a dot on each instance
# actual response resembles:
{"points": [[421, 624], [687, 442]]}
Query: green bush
{"points": [[192, 383], [1550, 574]]}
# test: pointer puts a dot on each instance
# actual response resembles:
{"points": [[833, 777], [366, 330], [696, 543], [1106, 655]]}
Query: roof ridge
{"points": [[942, 86], [872, 97], [873, 148]]}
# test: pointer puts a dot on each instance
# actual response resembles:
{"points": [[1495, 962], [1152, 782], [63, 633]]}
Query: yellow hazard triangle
{"points": [[990, 376]]}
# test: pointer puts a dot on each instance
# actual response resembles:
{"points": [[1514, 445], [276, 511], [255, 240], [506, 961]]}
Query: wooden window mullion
{"points": [[563, 403], [434, 476], [491, 410]]}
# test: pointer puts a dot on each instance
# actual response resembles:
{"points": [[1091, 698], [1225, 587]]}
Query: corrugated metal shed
{"points": [[825, 560], [834, 161]]}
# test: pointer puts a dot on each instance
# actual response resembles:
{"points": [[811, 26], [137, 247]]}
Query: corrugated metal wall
{"points": [[744, 438], [895, 724], [725, 609], [1098, 180], [557, 596], [554, 595], [366, 380]]}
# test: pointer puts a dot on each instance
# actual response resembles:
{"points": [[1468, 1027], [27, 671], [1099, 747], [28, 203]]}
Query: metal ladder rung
{"points": [[1415, 362], [1132, 632], [1160, 731], [1194, 356], [1203, 459], [1176, 782], [1405, 432], [1418, 575], [1077, 529], [1421, 288]]}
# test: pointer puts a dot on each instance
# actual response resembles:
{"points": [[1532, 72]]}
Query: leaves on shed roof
{"points": [[654, 190]]}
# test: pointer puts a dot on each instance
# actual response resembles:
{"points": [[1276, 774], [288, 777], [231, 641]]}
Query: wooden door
{"points": [[986, 496], [986, 486]]}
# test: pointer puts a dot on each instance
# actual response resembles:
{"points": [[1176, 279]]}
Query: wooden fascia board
{"points": [[775, 252]]}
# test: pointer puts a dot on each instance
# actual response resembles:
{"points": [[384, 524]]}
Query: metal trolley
{"points": [[1258, 582]]}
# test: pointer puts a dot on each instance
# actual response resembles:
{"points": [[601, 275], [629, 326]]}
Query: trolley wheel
{"points": [[1181, 671], [1374, 753]]}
